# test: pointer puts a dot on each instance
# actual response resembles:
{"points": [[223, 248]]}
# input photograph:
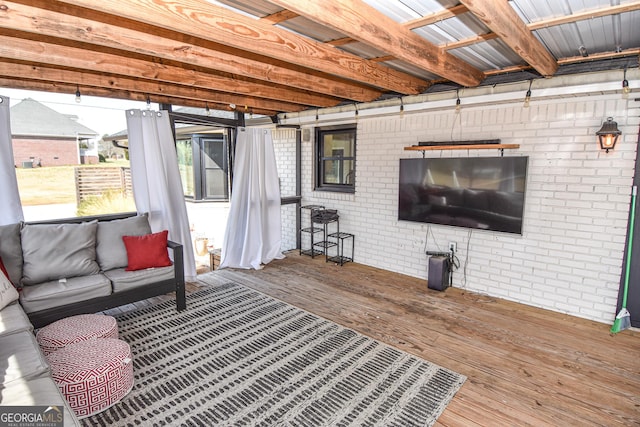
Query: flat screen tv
{"points": [[485, 193]]}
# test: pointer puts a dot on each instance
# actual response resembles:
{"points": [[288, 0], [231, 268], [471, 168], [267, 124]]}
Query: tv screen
{"points": [[486, 193]]}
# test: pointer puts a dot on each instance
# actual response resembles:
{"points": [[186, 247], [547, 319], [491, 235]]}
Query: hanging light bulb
{"points": [[148, 102], [78, 98], [625, 85], [207, 111], [458, 106], [527, 98], [401, 108]]}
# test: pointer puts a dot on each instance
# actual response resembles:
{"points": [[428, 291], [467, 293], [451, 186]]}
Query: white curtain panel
{"points": [[155, 177], [10, 206], [253, 236]]}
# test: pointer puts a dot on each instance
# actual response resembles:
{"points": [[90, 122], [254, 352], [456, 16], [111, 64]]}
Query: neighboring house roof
{"points": [[31, 118]]}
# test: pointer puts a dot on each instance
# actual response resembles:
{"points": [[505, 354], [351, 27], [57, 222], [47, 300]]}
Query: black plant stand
{"points": [[324, 217], [340, 238], [311, 230]]}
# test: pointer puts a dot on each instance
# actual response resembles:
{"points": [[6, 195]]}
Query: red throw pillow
{"points": [[147, 251], [3, 268], [6, 274]]}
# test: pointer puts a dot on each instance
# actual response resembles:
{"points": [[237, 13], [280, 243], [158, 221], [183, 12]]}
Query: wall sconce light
{"points": [[78, 98], [608, 134]]}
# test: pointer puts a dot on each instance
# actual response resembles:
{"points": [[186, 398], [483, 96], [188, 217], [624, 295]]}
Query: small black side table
{"points": [[340, 238]]}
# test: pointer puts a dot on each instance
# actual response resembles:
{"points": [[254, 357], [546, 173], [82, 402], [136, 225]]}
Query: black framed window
{"points": [[336, 159], [203, 164]]}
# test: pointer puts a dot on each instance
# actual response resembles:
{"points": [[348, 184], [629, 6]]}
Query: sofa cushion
{"points": [[123, 280], [37, 392], [110, 250], [56, 251], [11, 251], [147, 251], [13, 319], [8, 293], [66, 291], [20, 357]]}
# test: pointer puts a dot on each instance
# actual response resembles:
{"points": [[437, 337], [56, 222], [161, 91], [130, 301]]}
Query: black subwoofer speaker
{"points": [[438, 273]]}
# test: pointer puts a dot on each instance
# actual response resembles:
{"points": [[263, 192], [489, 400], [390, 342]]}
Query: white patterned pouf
{"points": [[75, 329], [93, 375]]}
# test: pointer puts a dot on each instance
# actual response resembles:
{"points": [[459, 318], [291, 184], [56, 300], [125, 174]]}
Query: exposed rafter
{"points": [[201, 19], [197, 52], [504, 21], [70, 89], [364, 23], [71, 25], [26, 71]]}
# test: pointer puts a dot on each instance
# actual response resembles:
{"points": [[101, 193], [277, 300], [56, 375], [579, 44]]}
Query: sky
{"points": [[103, 115]]}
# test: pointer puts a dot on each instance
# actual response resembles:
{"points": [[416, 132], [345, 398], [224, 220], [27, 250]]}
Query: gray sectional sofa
{"points": [[65, 268], [77, 266], [24, 371]]}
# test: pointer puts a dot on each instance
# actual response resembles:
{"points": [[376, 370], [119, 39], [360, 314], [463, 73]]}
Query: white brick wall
{"points": [[284, 143], [570, 254]]}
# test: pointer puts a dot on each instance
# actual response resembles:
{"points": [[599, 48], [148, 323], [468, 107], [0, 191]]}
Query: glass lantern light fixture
{"points": [[608, 134]]}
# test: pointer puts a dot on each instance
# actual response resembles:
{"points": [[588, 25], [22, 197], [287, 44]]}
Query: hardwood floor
{"points": [[524, 366]]}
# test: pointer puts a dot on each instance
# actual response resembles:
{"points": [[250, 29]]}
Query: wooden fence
{"points": [[94, 181]]}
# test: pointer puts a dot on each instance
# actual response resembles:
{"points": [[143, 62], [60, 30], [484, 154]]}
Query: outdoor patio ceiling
{"points": [[266, 57]]}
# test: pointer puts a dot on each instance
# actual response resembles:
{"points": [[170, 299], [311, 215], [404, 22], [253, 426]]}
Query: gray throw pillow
{"points": [[110, 250], [11, 251], [56, 251]]}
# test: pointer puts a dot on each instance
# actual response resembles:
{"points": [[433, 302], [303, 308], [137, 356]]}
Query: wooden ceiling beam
{"points": [[436, 17], [19, 49], [460, 9], [30, 71], [552, 22], [295, 82], [500, 17], [415, 23], [469, 41], [65, 88], [366, 24], [201, 19], [599, 56], [278, 17], [581, 16]]}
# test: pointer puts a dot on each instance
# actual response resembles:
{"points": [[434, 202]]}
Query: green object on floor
{"points": [[623, 319]]}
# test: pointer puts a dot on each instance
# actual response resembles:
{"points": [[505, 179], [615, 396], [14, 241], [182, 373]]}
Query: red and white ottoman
{"points": [[93, 375], [74, 329]]}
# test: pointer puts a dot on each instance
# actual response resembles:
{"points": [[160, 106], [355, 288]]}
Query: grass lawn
{"points": [[53, 184]]}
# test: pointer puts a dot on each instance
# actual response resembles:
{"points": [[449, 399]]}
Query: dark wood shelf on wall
{"points": [[461, 147]]}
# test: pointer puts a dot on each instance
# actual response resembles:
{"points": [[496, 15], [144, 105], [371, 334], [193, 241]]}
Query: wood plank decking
{"points": [[525, 366]]}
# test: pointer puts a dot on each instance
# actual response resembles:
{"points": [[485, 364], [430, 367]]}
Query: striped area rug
{"points": [[237, 357]]}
